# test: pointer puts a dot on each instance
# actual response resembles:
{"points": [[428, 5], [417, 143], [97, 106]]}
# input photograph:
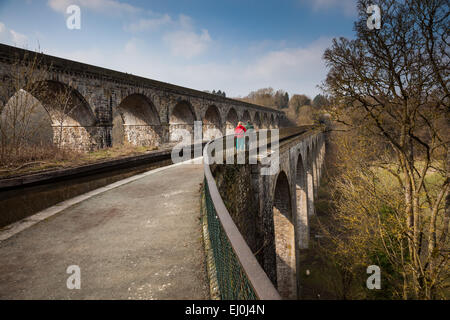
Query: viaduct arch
{"points": [[59, 113], [286, 203], [136, 121], [110, 107]]}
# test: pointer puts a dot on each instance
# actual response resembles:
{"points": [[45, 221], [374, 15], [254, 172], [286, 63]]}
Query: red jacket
{"points": [[239, 131]]}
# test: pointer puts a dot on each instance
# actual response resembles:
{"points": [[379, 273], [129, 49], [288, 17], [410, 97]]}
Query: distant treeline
{"points": [[300, 109]]}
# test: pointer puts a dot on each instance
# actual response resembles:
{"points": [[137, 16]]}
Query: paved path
{"points": [[141, 240]]}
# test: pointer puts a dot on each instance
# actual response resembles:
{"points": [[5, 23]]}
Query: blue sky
{"points": [[233, 45]]}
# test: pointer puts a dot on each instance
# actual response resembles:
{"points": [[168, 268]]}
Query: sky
{"points": [[236, 46]]}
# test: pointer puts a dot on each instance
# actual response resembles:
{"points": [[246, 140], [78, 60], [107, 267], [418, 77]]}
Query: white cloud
{"points": [[149, 24], [347, 6], [296, 69], [11, 37], [107, 6], [183, 40], [187, 44], [293, 69], [179, 35], [185, 22]]}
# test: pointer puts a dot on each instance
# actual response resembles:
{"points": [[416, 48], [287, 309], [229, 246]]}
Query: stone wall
{"points": [[143, 135], [82, 139], [236, 190], [273, 217], [175, 135]]}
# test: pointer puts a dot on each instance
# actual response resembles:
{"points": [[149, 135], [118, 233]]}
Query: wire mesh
{"points": [[231, 277]]}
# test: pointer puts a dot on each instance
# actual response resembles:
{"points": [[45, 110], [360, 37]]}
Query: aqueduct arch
{"points": [[231, 121], [211, 123], [284, 238], [301, 194], [246, 116], [265, 121], [37, 128], [136, 121], [310, 180], [257, 121], [272, 122], [95, 95], [72, 120], [315, 167], [283, 211], [182, 117]]}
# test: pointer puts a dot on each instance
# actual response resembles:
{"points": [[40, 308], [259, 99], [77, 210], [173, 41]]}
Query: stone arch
{"points": [[35, 126], [310, 180], [302, 203], [284, 234], [72, 122], [136, 121], [211, 123], [315, 155], [257, 121], [272, 122], [231, 121], [246, 116], [265, 121], [181, 118]]}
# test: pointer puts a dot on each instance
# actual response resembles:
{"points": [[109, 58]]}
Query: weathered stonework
{"points": [[103, 92], [77, 138], [176, 133], [143, 135], [235, 187], [271, 211]]}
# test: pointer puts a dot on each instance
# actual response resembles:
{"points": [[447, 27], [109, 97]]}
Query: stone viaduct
{"points": [[287, 199], [272, 211], [107, 107]]}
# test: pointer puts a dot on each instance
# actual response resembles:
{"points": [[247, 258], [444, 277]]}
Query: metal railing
{"points": [[239, 275]]}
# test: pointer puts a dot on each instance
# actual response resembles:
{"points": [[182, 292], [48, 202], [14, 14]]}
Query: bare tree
{"points": [[63, 104], [390, 86], [21, 116], [36, 114]]}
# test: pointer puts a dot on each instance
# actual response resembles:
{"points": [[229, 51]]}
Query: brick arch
{"points": [[284, 238], [136, 121]]}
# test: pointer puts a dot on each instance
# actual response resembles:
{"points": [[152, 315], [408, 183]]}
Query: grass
{"points": [[38, 160]]}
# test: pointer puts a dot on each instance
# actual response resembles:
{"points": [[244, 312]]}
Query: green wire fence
{"points": [[239, 275]]}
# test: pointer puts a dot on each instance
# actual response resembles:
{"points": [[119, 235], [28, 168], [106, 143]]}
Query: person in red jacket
{"points": [[239, 132]]}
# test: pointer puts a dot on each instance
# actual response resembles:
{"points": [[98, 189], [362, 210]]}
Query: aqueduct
{"points": [[106, 107], [271, 213], [261, 242]]}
